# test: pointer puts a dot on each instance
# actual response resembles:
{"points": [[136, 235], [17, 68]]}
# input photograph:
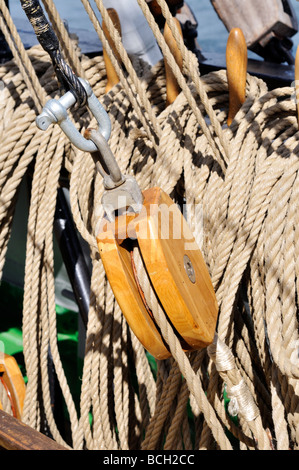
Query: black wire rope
{"points": [[49, 42]]}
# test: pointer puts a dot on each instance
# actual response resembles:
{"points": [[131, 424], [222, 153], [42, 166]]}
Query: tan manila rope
{"points": [[11, 144], [102, 438], [103, 316], [150, 125], [41, 177], [176, 349], [269, 164], [262, 116], [14, 41], [228, 226], [32, 367], [241, 399], [263, 181], [39, 253], [5, 400], [190, 63]]}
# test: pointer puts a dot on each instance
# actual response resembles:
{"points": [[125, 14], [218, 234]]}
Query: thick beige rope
{"points": [[190, 62], [14, 41], [183, 362], [150, 124], [37, 231]]}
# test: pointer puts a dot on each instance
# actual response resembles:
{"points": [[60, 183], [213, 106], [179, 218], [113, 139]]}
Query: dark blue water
{"points": [[212, 35]]}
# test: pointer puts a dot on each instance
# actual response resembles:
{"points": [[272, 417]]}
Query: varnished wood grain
{"points": [[236, 63], [156, 9], [172, 86], [112, 77], [15, 435], [13, 379], [118, 267], [164, 239]]}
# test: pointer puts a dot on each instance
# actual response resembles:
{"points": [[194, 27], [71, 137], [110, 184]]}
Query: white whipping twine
{"points": [[241, 400]]}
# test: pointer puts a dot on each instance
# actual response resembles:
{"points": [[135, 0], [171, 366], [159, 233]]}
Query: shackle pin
{"points": [[55, 112]]}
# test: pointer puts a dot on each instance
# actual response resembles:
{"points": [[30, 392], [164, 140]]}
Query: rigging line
{"points": [[48, 40]]}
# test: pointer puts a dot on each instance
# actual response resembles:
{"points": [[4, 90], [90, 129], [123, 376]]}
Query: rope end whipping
{"points": [[241, 400]]}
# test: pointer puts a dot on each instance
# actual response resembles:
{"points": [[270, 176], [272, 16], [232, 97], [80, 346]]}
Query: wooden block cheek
{"points": [[117, 264], [164, 239], [14, 382]]}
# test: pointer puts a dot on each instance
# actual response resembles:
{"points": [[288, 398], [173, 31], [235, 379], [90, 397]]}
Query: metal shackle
{"points": [[55, 112], [105, 160]]}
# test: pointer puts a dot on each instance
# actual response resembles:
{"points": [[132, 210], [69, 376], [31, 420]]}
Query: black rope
{"points": [[49, 42]]}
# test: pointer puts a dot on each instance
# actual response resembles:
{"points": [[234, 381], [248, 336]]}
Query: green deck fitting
{"points": [[12, 340]]}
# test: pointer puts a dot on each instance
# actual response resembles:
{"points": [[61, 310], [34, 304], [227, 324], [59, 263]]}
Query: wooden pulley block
{"points": [[13, 382], [176, 271]]}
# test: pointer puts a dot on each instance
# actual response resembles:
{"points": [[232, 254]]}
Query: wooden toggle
{"points": [[12, 379], [175, 268], [236, 63], [172, 86], [112, 77], [173, 5]]}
